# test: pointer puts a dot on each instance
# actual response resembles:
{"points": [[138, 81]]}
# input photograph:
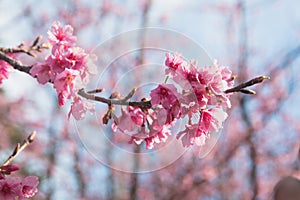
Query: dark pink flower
{"points": [[58, 61], [164, 94], [11, 189], [77, 58], [29, 186], [4, 70]]}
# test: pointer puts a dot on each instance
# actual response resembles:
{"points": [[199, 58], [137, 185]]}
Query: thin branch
{"points": [[99, 90], [29, 50], [20, 147], [141, 104], [241, 87]]}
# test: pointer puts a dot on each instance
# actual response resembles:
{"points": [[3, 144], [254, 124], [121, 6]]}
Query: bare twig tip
{"points": [[32, 136], [266, 77]]}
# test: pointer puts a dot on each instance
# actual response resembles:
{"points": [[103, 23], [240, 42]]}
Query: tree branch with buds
{"points": [[20, 147]]}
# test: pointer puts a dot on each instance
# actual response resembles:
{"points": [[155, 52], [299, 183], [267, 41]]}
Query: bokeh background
{"points": [[260, 140]]}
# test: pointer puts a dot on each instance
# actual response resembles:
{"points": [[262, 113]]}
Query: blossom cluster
{"points": [[202, 94], [14, 187], [67, 68]]}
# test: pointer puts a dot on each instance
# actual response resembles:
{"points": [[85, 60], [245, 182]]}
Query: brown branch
{"points": [[14, 63], [241, 87], [141, 104], [20, 147]]}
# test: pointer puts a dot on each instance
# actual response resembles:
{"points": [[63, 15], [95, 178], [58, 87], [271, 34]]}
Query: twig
{"points": [[33, 47], [141, 104], [95, 91], [131, 93], [241, 87], [20, 147]]}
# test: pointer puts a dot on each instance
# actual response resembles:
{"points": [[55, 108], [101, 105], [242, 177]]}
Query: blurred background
{"points": [[261, 137]]}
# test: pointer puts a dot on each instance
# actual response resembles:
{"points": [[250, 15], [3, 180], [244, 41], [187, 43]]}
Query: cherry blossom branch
{"points": [[241, 87], [29, 50], [141, 104], [20, 147], [147, 104]]}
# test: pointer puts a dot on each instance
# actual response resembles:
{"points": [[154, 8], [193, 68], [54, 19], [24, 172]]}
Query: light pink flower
{"points": [[64, 83], [124, 123], [11, 189], [211, 120], [61, 35], [42, 72], [80, 107], [217, 85], [29, 186], [130, 119], [156, 135], [190, 134]]}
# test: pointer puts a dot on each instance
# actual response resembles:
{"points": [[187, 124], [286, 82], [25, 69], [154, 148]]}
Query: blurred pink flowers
{"points": [[15, 188]]}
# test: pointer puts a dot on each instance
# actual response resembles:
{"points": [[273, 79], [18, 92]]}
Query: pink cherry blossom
{"points": [[173, 61], [80, 107], [77, 58], [42, 72], [130, 119], [62, 98], [61, 35], [58, 60], [165, 94], [189, 135], [11, 189], [211, 120], [4, 70], [137, 115], [156, 135], [124, 123], [217, 85], [29, 186], [64, 83]]}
